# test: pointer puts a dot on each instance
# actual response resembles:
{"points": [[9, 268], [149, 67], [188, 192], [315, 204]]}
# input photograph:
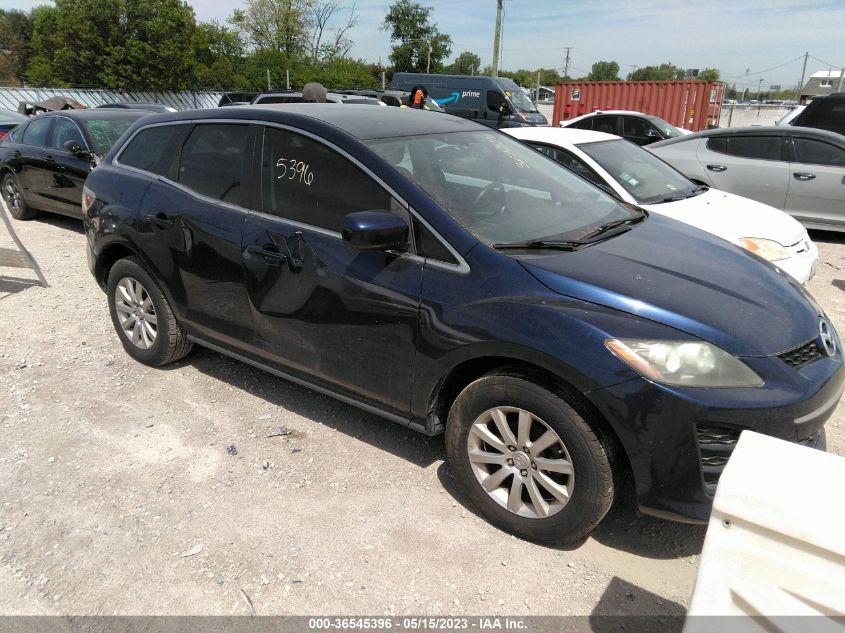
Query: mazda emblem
{"points": [[826, 342]]}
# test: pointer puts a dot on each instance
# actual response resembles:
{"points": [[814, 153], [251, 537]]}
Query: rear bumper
{"points": [[679, 440]]}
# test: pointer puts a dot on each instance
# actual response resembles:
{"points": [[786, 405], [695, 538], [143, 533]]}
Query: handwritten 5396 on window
{"points": [[292, 168]]}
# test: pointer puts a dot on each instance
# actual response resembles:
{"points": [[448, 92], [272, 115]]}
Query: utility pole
{"points": [[745, 83], [841, 77], [496, 37], [803, 72], [566, 64], [268, 80], [428, 63], [759, 84]]}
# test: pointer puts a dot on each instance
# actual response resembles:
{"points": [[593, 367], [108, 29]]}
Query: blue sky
{"points": [[768, 37]]}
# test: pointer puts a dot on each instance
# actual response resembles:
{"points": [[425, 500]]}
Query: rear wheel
{"points": [[18, 207], [142, 316], [527, 460]]}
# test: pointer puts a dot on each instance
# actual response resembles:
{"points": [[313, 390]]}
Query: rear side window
{"points": [[307, 182], [36, 131], [605, 124], [818, 152], [570, 162], [718, 144], [829, 115], [586, 124], [212, 161], [762, 147], [156, 149]]}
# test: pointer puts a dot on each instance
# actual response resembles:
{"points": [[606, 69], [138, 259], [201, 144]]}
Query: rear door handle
{"points": [[803, 175], [16, 154], [717, 168], [160, 220], [265, 253]]}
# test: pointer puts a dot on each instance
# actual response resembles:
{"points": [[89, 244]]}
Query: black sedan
{"points": [[44, 163], [9, 120]]}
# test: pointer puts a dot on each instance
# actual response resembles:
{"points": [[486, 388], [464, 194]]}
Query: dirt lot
{"points": [[119, 493]]}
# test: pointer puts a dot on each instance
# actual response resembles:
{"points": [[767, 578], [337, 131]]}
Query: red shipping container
{"points": [[688, 104]]}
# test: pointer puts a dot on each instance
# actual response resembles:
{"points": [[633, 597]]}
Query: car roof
{"points": [[94, 113], [757, 130], [561, 135], [360, 123]]}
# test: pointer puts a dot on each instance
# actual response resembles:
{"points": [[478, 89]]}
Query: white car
{"points": [[637, 176]]}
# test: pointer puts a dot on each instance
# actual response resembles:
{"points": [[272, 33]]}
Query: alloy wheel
{"points": [[136, 312], [12, 195], [521, 462]]}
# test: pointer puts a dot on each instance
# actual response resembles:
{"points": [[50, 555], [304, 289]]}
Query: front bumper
{"points": [[678, 440], [802, 262]]}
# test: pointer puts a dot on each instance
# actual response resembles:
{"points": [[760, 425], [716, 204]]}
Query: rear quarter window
{"points": [[155, 149], [760, 147]]}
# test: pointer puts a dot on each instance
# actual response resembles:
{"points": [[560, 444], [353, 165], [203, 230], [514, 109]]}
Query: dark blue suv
{"points": [[445, 276]]}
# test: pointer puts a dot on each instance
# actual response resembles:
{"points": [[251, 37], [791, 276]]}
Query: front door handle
{"points": [[717, 168], [268, 254], [16, 154], [803, 175], [160, 220]]}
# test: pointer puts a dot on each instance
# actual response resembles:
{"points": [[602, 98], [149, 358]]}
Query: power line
{"points": [[827, 63], [760, 72]]}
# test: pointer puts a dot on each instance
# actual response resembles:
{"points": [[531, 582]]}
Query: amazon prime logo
{"points": [[826, 342]]}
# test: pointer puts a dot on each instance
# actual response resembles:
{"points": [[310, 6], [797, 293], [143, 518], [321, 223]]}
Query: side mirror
{"points": [[652, 133], [76, 149], [375, 231]]}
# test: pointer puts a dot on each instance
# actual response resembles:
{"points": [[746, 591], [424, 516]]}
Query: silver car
{"points": [[799, 170]]}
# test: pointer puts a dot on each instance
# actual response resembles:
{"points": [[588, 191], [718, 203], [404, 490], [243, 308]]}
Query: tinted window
{"points": [[570, 161], [635, 127], [65, 130], [280, 99], [307, 182], [718, 144], [586, 124], [764, 147], [36, 131], [212, 161], [156, 149], [605, 124], [818, 152], [494, 100], [829, 115]]}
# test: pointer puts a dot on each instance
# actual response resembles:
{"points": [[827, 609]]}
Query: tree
{"points": [[604, 71], [219, 53], [709, 74], [664, 72], [277, 25], [419, 44], [338, 44], [15, 50], [466, 63], [128, 44]]}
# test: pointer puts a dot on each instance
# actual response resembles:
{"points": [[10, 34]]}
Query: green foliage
{"points": [[15, 51], [528, 78], [278, 25], [129, 44], [663, 72], [219, 53], [604, 71], [419, 44], [466, 63], [708, 74]]}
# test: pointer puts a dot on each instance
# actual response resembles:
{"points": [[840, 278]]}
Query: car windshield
{"points": [[502, 191], [517, 97], [647, 178], [103, 133], [667, 129]]}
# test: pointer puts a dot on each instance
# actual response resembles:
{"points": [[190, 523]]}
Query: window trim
{"points": [[462, 267]]}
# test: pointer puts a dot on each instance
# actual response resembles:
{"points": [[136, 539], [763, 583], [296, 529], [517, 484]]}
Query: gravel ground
{"points": [[130, 490]]}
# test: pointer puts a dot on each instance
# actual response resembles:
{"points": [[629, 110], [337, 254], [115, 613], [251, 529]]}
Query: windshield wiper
{"points": [[569, 245], [609, 226], [697, 190]]}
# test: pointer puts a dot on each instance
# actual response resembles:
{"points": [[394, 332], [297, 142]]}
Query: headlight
{"points": [[767, 249], [684, 363]]}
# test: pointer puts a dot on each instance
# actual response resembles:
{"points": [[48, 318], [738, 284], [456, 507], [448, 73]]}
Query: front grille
{"points": [[715, 445], [802, 355]]}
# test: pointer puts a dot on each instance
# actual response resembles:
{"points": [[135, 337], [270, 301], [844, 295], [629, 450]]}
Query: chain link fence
{"points": [[745, 114]]}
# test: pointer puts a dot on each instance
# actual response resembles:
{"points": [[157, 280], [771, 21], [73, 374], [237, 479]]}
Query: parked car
{"points": [[639, 177], [396, 98], [449, 278], [236, 98], [295, 96], [494, 101], [132, 105], [789, 117], [9, 119], [824, 113], [44, 163], [799, 170], [637, 127]]}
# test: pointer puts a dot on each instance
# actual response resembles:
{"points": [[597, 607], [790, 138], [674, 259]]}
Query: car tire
{"points": [[518, 483], [13, 196], [142, 316]]}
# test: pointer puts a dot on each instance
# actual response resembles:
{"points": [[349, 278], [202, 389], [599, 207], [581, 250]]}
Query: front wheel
{"points": [[528, 462], [142, 316]]}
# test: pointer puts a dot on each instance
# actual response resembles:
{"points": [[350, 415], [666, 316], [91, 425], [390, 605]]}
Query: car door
{"points": [[191, 220], [817, 181], [31, 162], [64, 171], [754, 166], [344, 319]]}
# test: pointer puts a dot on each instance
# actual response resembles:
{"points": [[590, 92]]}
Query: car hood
{"points": [[731, 217], [674, 274], [534, 118]]}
